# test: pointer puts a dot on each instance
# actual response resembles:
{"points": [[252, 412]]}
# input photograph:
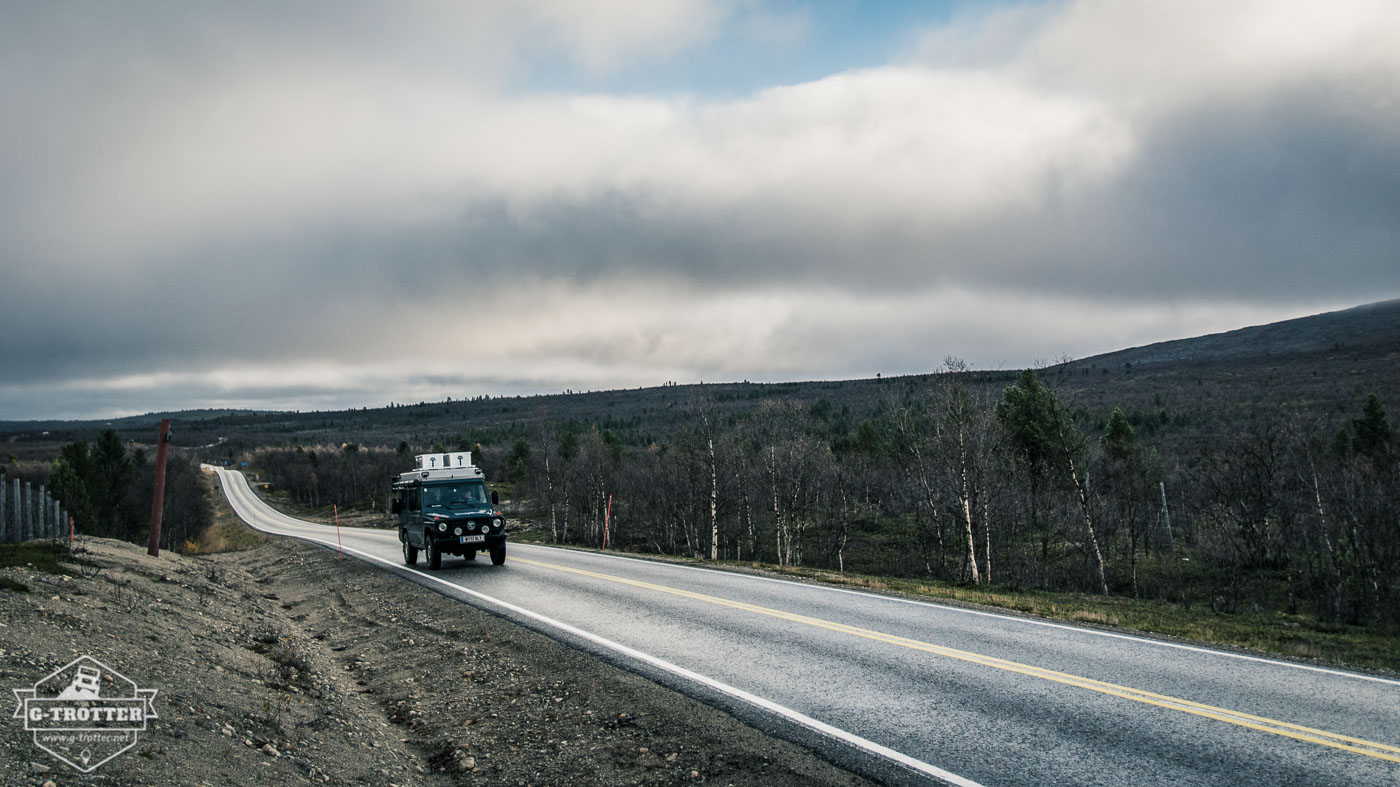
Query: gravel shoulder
{"points": [[282, 664]]}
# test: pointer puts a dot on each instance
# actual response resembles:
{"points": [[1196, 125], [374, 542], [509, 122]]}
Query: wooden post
{"points": [[17, 524], [12, 511], [16, 529], [50, 519], [158, 498], [26, 515]]}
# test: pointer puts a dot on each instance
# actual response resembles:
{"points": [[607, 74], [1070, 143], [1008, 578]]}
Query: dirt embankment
{"points": [[281, 664]]}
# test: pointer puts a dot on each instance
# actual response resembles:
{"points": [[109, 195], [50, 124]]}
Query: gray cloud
{"points": [[209, 201]]}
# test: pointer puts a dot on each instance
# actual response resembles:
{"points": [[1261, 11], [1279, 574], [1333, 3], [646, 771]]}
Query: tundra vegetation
{"points": [[1286, 514], [979, 479]]}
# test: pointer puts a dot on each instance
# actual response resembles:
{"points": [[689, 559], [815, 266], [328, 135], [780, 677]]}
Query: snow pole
{"points": [[607, 519]]}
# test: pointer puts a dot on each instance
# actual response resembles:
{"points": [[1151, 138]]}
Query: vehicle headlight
{"points": [[497, 522], [456, 531], [442, 527]]}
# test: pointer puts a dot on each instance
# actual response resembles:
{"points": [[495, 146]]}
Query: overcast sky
{"points": [[318, 205]]}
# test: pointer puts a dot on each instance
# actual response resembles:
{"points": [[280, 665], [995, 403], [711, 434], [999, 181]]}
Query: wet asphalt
{"points": [[914, 692]]}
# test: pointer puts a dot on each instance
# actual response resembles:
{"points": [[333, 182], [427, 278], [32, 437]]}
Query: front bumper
{"points": [[450, 544]]}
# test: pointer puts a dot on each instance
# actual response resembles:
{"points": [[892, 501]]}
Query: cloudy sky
{"points": [[329, 204]]}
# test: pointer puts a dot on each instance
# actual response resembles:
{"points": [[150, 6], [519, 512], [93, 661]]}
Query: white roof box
{"points": [[455, 459]]}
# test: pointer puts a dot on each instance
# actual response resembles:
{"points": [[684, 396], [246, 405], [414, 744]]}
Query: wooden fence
{"points": [[27, 514]]}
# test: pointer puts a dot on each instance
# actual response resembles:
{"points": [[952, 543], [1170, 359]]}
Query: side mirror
{"points": [[395, 506], [495, 498]]}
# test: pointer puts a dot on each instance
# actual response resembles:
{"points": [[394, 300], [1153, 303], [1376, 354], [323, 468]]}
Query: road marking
{"points": [[1262, 724], [247, 510], [983, 613], [960, 610], [1286, 729]]}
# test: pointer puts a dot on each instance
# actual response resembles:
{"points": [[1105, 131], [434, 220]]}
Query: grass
{"points": [[51, 557], [1295, 637], [1275, 634], [226, 533]]}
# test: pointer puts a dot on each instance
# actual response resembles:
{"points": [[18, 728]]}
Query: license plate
{"points": [[473, 539]]}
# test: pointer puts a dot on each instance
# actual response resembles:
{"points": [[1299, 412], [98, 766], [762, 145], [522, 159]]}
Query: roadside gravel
{"points": [[282, 664]]}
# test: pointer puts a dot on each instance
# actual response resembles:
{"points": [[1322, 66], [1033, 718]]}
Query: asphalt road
{"points": [[914, 692]]}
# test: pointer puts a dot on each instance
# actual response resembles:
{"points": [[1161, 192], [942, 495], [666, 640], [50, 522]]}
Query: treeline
{"points": [[343, 475], [108, 492], [1288, 513]]}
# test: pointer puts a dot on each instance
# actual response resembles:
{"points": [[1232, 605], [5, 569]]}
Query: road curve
{"points": [[913, 692]]}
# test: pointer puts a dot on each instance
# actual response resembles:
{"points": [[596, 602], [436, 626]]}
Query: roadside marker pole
{"points": [[338, 545], [70, 534]]}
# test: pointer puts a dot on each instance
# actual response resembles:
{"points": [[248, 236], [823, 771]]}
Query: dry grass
{"points": [[1085, 616], [227, 533]]}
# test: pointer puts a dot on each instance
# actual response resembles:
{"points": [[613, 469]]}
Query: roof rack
{"points": [[441, 474]]}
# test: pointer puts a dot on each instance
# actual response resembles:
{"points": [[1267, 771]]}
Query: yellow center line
{"points": [[1321, 737]]}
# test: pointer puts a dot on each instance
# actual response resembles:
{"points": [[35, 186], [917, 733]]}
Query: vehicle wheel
{"points": [[434, 555], [471, 554], [410, 553], [498, 555]]}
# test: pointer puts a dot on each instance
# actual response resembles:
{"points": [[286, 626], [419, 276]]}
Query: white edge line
{"points": [[753, 699], [964, 610], [998, 615]]}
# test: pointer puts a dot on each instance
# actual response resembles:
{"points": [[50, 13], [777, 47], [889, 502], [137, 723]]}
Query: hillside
{"points": [[1375, 325], [1320, 365]]}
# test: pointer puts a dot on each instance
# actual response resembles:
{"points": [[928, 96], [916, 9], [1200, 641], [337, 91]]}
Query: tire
{"points": [[434, 554], [471, 554], [498, 554], [410, 553]]}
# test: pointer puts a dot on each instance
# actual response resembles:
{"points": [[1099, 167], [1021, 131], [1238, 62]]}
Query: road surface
{"points": [[914, 692]]}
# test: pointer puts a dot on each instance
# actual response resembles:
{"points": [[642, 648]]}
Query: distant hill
{"points": [[1323, 366], [127, 421], [1372, 325]]}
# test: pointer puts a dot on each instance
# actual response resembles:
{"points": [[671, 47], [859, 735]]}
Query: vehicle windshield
{"points": [[454, 495]]}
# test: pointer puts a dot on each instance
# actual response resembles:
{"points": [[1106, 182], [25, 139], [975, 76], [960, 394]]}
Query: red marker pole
{"points": [[336, 509], [158, 501], [70, 534]]}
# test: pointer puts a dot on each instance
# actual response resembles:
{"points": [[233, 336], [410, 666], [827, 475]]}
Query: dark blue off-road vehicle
{"points": [[443, 507]]}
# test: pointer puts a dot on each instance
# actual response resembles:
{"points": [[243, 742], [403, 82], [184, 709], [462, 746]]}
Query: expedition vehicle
{"points": [[443, 507]]}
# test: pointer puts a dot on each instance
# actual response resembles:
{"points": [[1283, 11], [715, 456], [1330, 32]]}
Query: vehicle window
{"points": [[450, 495]]}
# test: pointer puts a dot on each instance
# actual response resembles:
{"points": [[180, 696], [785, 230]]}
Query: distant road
{"points": [[918, 692]]}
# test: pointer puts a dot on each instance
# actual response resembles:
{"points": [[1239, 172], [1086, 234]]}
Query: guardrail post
{"points": [[4, 510]]}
